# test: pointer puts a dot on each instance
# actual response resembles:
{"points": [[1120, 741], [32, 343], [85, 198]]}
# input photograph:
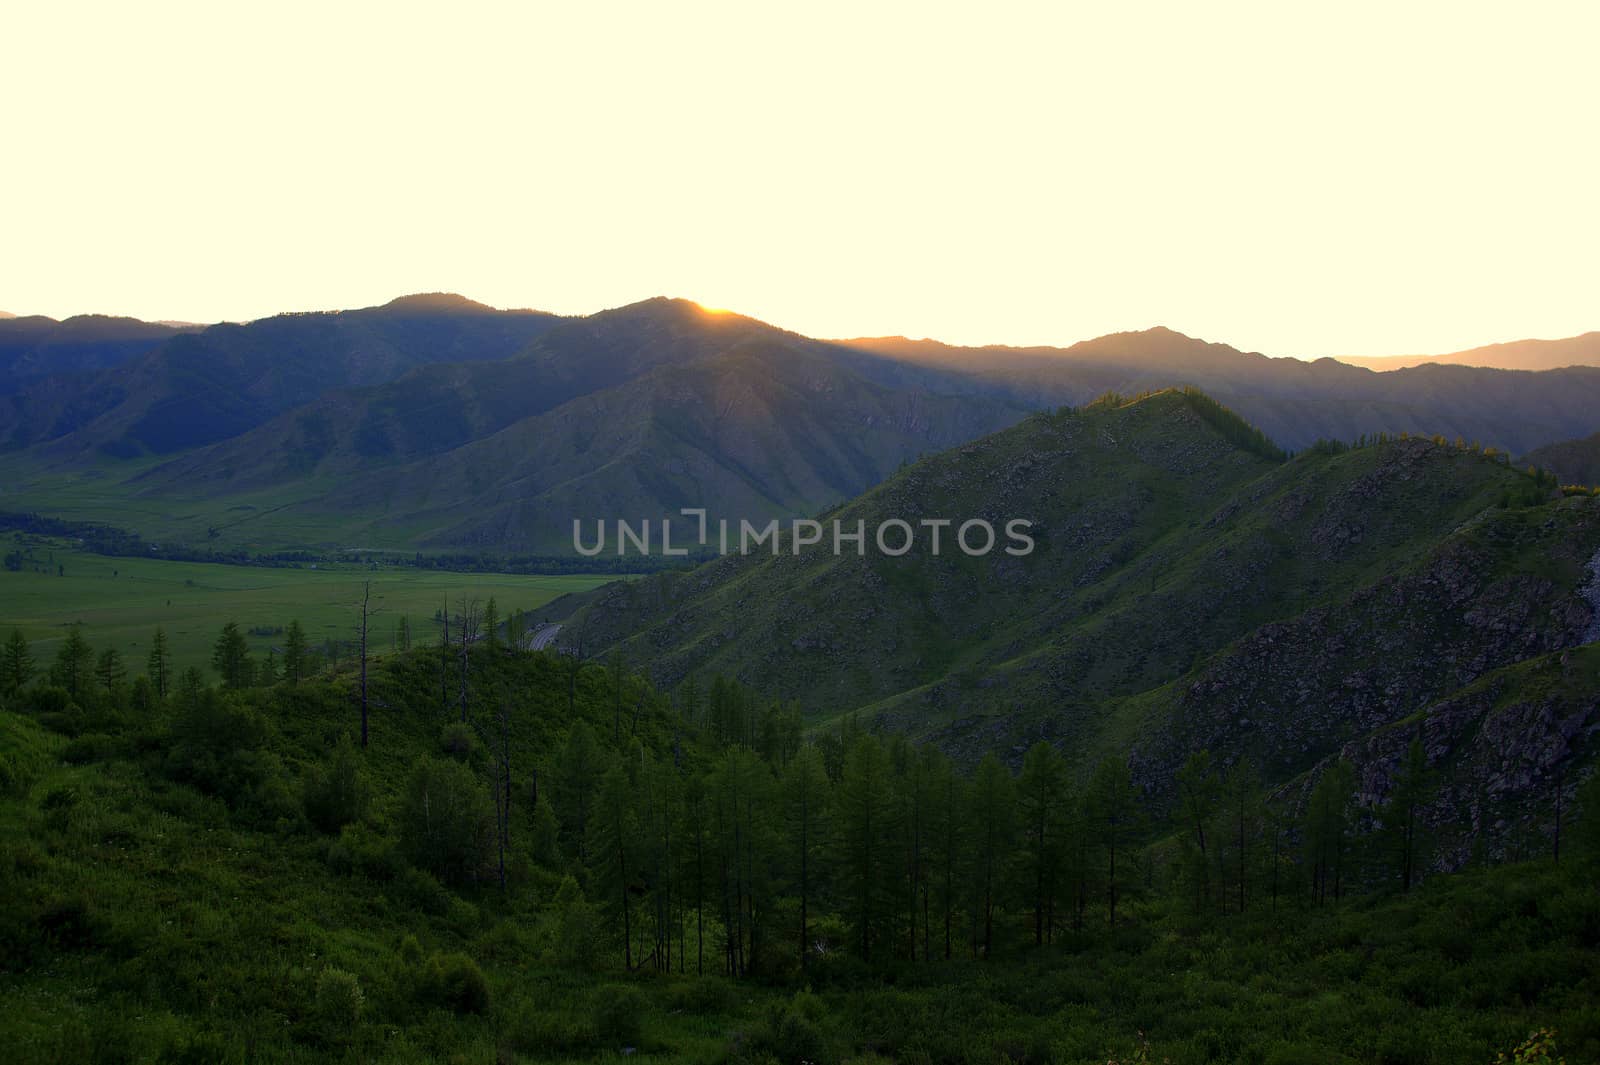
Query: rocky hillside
{"points": [[1189, 590]]}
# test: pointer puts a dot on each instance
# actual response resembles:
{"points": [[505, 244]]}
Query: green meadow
{"points": [[120, 601]]}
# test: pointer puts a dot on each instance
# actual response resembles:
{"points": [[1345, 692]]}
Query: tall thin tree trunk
{"points": [[366, 597]]}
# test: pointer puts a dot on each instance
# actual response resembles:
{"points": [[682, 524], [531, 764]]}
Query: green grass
{"points": [[120, 601]]}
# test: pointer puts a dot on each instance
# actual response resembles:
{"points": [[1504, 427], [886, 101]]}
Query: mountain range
{"points": [[437, 423]]}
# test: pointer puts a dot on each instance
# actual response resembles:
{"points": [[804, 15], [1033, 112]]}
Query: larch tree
{"points": [[16, 664], [158, 664], [805, 804], [294, 652], [73, 662], [1413, 787], [230, 657], [866, 816], [109, 670], [612, 843], [1113, 813], [992, 818], [1198, 790], [1041, 796]]}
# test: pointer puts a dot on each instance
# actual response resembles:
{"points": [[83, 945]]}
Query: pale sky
{"points": [[1340, 178]]}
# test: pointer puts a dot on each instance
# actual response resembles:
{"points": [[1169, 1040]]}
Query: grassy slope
{"points": [[192, 600]]}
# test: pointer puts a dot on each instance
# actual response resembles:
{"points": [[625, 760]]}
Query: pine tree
{"points": [[230, 657], [16, 664], [158, 666]]}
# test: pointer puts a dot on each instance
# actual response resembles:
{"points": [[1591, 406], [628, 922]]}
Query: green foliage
{"points": [[16, 664], [445, 820], [230, 657], [458, 740], [453, 982], [71, 667], [339, 1000], [336, 794]]}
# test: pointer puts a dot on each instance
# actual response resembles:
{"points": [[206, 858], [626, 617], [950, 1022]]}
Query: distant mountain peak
{"points": [[6, 314], [436, 302]]}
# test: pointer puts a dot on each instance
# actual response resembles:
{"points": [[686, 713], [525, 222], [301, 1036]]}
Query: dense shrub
{"points": [[339, 999], [92, 747], [361, 852], [458, 741], [453, 982]]}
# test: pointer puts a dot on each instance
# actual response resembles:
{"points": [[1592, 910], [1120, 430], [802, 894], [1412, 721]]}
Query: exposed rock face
{"points": [[1500, 752], [1590, 593]]}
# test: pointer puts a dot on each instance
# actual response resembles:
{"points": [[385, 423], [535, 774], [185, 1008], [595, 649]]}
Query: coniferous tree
{"points": [[158, 665], [109, 670], [16, 664], [992, 815], [946, 838], [696, 859], [866, 815], [1241, 788], [915, 778], [612, 846], [1040, 800], [805, 802], [1113, 814], [230, 657], [1198, 793], [73, 661], [1327, 824], [577, 776], [491, 626], [294, 652], [1413, 787]]}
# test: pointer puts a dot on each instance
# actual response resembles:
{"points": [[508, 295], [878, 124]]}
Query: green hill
{"points": [[1189, 589]]}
